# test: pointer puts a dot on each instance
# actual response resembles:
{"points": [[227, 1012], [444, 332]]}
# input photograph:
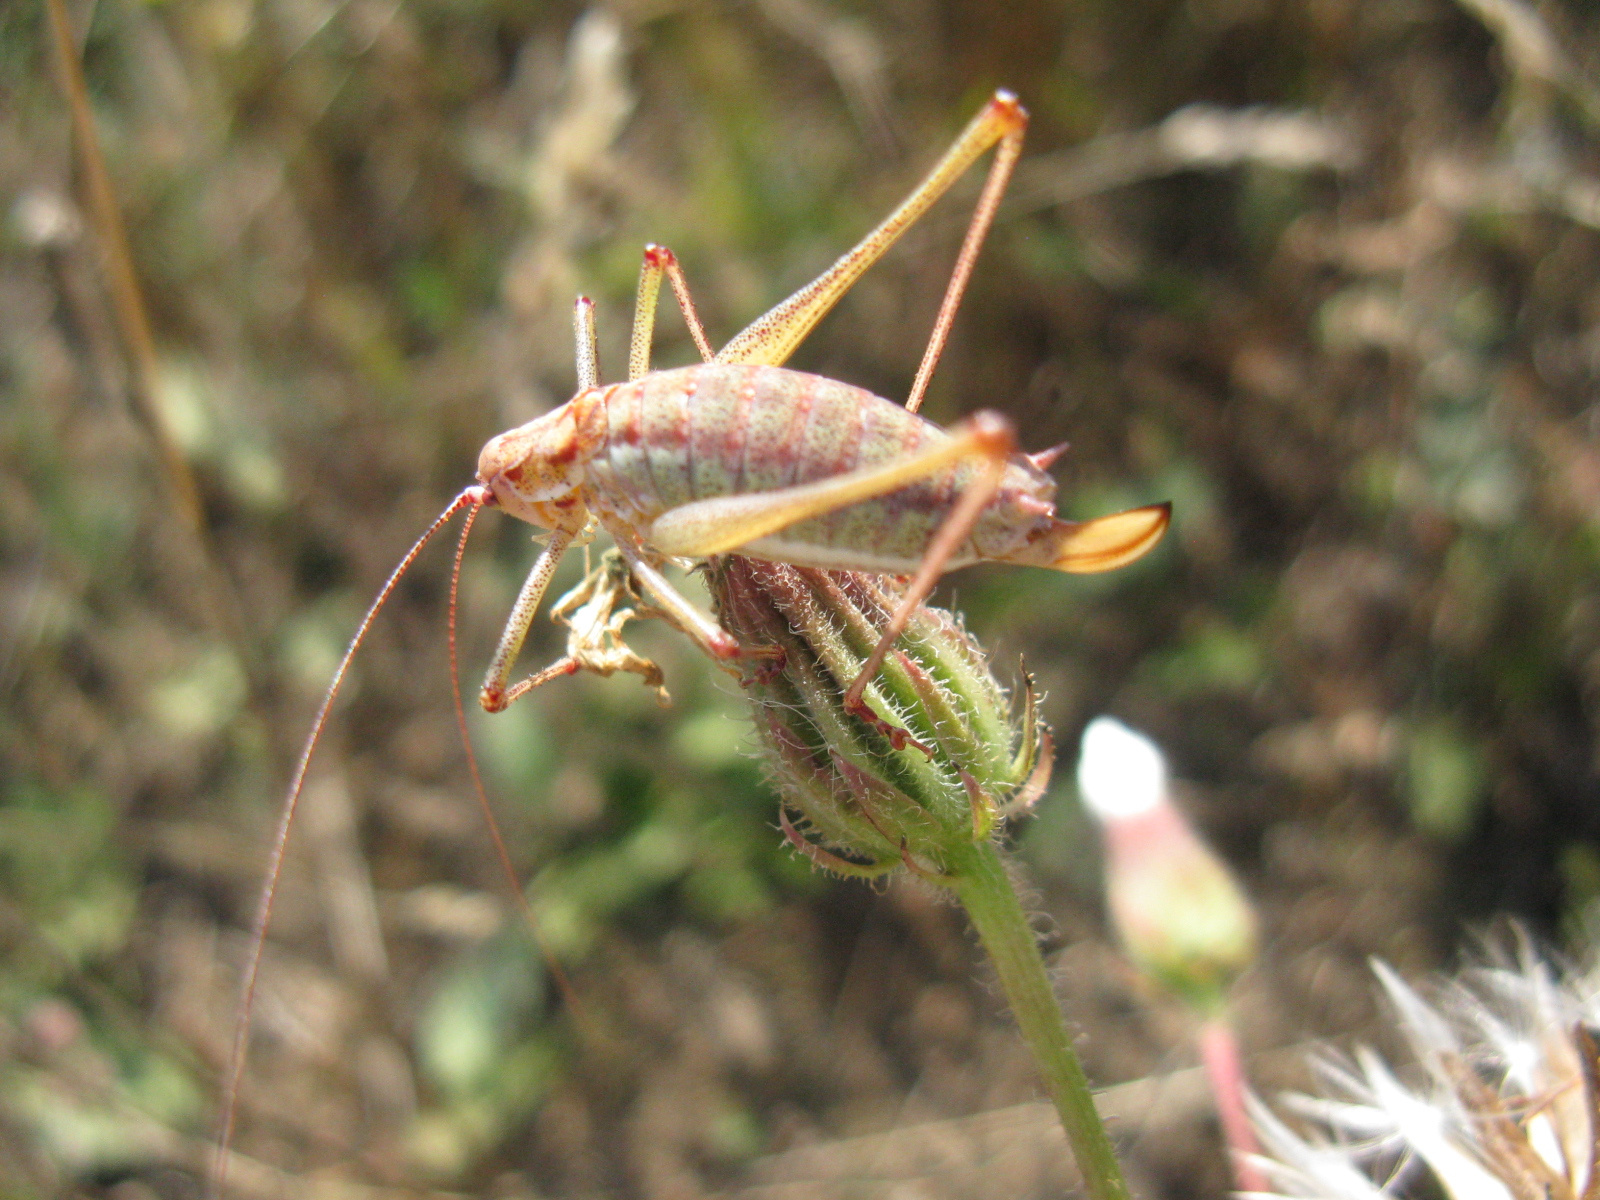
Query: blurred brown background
{"points": [[1323, 273]]}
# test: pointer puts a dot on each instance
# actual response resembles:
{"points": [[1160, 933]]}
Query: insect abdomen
{"points": [[718, 430]]}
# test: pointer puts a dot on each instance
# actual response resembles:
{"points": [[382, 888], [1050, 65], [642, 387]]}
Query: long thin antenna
{"points": [[474, 496], [558, 974]]}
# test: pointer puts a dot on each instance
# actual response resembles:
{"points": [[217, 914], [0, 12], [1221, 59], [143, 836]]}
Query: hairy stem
{"points": [[991, 902]]}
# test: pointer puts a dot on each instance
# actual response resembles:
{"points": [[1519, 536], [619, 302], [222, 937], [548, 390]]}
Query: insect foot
{"points": [[857, 799], [594, 613]]}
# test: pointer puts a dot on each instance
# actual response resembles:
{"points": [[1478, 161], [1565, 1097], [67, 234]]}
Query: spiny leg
{"points": [[560, 669], [587, 351], [1005, 158], [705, 632], [659, 261], [993, 439], [772, 337], [495, 695]]}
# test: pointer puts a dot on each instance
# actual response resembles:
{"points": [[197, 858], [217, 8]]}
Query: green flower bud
{"points": [[867, 798]]}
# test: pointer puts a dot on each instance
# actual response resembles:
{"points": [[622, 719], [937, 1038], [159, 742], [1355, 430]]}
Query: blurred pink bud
{"points": [[53, 1024], [1180, 915]]}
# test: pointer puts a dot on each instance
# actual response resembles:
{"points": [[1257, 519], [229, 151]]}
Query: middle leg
{"points": [[681, 612], [703, 630]]}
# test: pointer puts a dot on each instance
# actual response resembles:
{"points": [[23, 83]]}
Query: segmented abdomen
{"points": [[719, 430]]}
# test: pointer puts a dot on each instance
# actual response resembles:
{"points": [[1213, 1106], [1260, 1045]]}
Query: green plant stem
{"points": [[991, 902]]}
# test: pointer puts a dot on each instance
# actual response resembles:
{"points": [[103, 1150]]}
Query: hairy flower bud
{"points": [[868, 799]]}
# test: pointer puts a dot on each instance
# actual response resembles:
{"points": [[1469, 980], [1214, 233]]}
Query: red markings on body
{"points": [[734, 435], [633, 423], [799, 420], [564, 453], [848, 456]]}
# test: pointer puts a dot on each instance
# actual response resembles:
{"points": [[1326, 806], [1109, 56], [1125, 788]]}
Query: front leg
{"points": [[495, 695]]}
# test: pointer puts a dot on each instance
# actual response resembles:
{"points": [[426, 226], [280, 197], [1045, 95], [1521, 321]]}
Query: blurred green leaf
{"points": [[736, 1134], [712, 739], [516, 748], [61, 862], [1446, 782], [1212, 658], [476, 1013], [202, 698]]}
